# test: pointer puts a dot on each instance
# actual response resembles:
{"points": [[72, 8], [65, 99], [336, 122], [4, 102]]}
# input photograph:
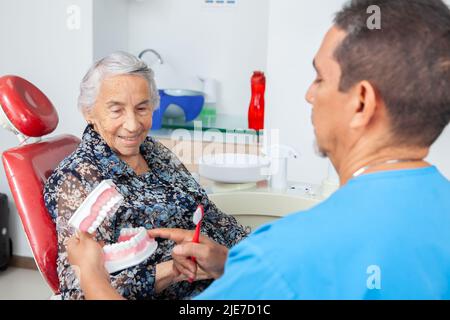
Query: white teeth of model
{"points": [[134, 241], [95, 226], [91, 229], [129, 244], [142, 235], [123, 245], [137, 235]]}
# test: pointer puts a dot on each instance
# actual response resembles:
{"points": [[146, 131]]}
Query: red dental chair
{"points": [[29, 114]]}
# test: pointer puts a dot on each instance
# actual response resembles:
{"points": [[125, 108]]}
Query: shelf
{"points": [[222, 122]]}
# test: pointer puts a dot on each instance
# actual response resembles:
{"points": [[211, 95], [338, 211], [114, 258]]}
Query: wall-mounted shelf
{"points": [[221, 122]]}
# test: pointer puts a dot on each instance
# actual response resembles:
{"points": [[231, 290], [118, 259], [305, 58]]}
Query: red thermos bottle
{"points": [[256, 109]]}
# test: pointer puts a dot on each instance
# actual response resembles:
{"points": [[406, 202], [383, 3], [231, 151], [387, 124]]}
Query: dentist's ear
{"points": [[365, 106]]}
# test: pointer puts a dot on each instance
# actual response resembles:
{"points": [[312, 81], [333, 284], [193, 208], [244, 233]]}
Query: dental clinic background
{"points": [[53, 42]]}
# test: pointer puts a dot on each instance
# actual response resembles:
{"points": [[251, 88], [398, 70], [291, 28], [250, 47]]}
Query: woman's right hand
{"points": [[86, 255], [210, 255]]}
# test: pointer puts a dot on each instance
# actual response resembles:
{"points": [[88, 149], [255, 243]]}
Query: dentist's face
{"points": [[328, 103], [122, 113]]}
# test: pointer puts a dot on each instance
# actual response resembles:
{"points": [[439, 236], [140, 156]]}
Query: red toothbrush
{"points": [[197, 218]]}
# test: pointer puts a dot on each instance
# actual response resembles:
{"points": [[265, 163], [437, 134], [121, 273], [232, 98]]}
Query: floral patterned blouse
{"points": [[164, 197]]}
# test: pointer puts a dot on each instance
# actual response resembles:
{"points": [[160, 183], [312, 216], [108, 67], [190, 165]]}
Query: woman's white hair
{"points": [[117, 63]]}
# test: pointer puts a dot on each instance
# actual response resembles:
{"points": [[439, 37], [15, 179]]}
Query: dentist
{"points": [[380, 100]]}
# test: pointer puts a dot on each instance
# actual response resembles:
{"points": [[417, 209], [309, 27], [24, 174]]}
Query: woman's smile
{"points": [[131, 140]]}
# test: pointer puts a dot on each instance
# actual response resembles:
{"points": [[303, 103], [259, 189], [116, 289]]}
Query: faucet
{"points": [[160, 59], [279, 155]]}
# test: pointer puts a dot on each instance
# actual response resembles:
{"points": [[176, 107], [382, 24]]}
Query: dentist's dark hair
{"points": [[407, 61]]}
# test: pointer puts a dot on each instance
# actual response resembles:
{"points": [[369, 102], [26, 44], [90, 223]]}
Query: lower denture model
{"points": [[134, 245]]}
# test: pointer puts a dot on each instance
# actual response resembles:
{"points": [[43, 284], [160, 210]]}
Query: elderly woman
{"points": [[117, 98]]}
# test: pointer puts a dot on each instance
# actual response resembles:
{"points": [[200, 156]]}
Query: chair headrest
{"points": [[26, 107]]}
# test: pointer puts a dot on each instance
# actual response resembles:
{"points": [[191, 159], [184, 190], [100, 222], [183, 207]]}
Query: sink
{"points": [[234, 167], [254, 209]]}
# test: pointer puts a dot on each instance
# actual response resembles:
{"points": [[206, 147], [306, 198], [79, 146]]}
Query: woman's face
{"points": [[122, 113]]}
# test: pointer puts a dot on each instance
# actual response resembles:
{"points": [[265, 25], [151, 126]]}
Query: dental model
{"points": [[134, 247], [103, 201]]}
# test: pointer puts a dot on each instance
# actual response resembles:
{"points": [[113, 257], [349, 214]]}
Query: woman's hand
{"points": [[86, 256], [210, 255]]}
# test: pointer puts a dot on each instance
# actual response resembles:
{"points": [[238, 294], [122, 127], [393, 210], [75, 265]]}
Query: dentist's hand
{"points": [[210, 255]]}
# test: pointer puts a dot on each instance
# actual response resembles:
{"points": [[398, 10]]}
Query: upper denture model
{"points": [[102, 202]]}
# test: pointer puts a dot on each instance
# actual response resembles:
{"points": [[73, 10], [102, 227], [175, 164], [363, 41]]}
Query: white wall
{"points": [[227, 44], [110, 27], [37, 45], [440, 153], [296, 29]]}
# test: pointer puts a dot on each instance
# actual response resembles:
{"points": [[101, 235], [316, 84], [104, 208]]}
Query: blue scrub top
{"points": [[384, 235]]}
